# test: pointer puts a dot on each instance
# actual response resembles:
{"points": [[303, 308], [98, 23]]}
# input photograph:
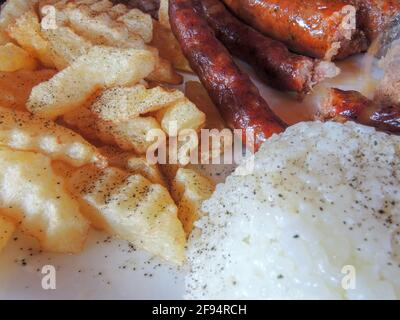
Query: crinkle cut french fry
{"points": [[66, 45], [138, 23], [124, 103], [34, 196], [101, 67], [190, 189], [131, 134], [168, 47], [14, 58], [132, 208], [26, 31], [181, 115], [100, 29], [23, 131], [132, 163], [11, 10]]}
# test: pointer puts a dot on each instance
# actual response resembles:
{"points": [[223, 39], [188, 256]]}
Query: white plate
{"points": [[111, 269]]}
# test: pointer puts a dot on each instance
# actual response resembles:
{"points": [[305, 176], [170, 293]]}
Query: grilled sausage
{"points": [[237, 98], [270, 58], [376, 15], [351, 105], [322, 28]]}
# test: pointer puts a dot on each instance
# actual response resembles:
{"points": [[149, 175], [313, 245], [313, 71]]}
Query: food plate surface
{"points": [[112, 269]]}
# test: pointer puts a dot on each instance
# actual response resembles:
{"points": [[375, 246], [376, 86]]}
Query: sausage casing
{"points": [[237, 98], [270, 58], [323, 29], [375, 15], [344, 105]]}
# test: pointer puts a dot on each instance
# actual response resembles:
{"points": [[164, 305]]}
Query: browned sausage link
{"points": [[320, 28], [375, 15], [341, 104], [237, 98], [351, 105], [270, 58]]}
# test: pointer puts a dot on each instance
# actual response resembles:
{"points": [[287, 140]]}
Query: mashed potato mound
{"points": [[319, 217]]}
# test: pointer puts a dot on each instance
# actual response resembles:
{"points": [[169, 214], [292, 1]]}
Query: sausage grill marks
{"points": [[237, 98]]}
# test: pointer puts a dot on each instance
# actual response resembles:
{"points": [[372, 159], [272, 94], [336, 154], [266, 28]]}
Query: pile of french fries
{"points": [[81, 84]]}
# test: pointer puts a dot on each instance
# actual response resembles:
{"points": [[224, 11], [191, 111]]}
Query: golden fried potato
{"points": [[101, 5], [124, 103], [14, 58], [117, 11], [89, 185], [132, 208], [131, 134], [65, 45], [125, 32], [84, 121], [76, 45], [219, 139], [165, 73], [47, 14], [132, 163], [139, 165], [23, 131], [188, 147], [101, 67], [128, 135], [196, 93], [11, 10], [50, 12], [168, 47], [56, 3], [15, 87], [100, 29], [26, 31], [85, 2], [189, 190], [181, 115], [138, 23], [163, 15], [7, 228], [33, 195]]}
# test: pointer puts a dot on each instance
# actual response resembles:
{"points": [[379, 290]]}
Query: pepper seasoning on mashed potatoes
{"points": [[322, 203]]}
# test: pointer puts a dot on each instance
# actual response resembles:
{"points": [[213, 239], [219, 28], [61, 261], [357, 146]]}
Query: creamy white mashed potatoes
{"points": [[323, 199]]}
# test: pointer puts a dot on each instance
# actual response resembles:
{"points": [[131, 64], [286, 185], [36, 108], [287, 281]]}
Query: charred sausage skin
{"points": [[344, 105], [237, 98], [270, 58], [376, 15], [314, 28]]}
